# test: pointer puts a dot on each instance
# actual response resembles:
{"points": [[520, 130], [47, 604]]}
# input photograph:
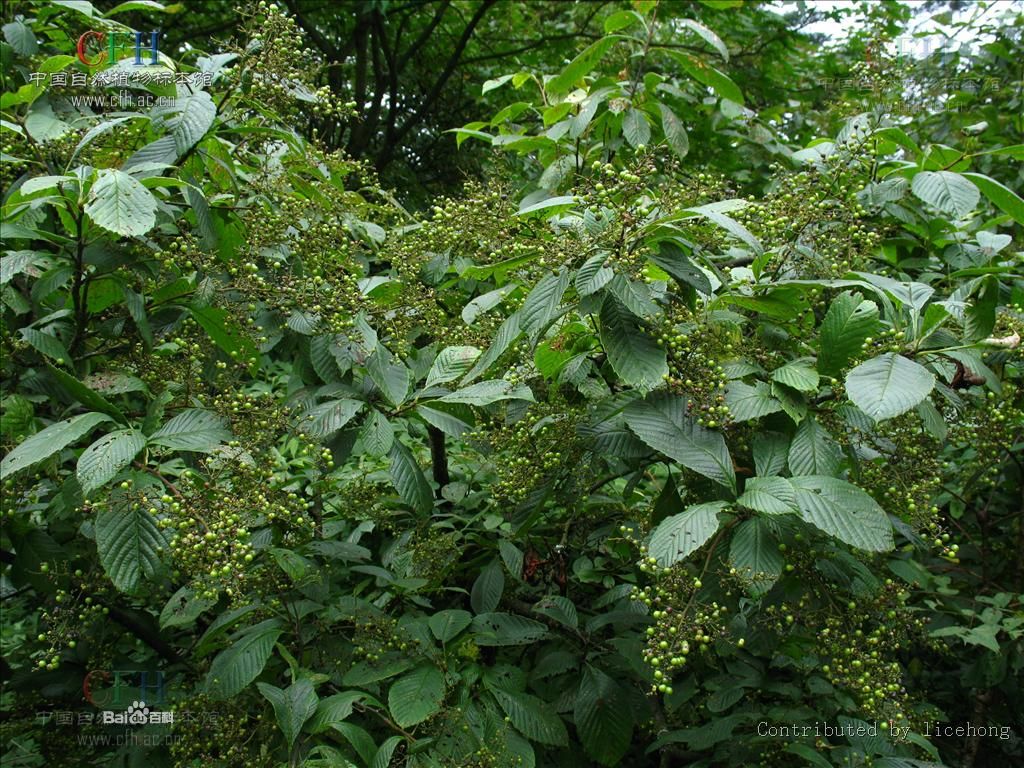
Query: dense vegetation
{"points": [[473, 383]]}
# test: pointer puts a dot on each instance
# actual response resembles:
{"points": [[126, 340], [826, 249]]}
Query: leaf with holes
{"points": [[102, 460], [119, 203], [49, 441]]}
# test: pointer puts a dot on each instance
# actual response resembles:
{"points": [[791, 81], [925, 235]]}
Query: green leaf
{"points": [[120, 204], [1001, 197], [128, 543], [293, 706], [507, 333], [224, 332], [378, 435], [409, 480], [102, 460], [46, 344], [844, 511], [237, 666], [675, 132], [670, 257], [750, 402], [770, 450], [707, 75], [680, 535], [635, 128], [579, 66], [949, 192], [621, 20], [21, 38], [769, 495], [51, 440], [662, 422], [416, 696], [487, 392], [446, 625], [188, 119], [184, 607], [797, 375], [334, 709], [533, 717], [324, 420], [487, 588], [507, 629], [888, 385], [450, 364], [86, 395], [391, 377], [707, 35], [542, 303], [559, 608], [633, 355], [847, 323], [813, 451], [593, 275], [754, 553], [604, 718], [192, 430]]}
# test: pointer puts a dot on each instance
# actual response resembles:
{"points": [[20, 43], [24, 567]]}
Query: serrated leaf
{"points": [[450, 364], [603, 717], [101, 461], [847, 323], [770, 449], [662, 422], [192, 430], [119, 203], [488, 588], [487, 392], [675, 131], [1002, 197], [49, 441], [293, 706], [46, 344], [541, 304], [579, 66], [532, 717], [184, 607], [949, 192], [128, 543], [888, 385], [670, 257], [634, 355], [416, 696], [813, 451], [559, 608], [635, 128], [754, 553], [241, 663], [592, 276], [750, 402], [325, 419], [797, 375], [769, 495], [377, 434], [446, 625], [507, 629], [409, 480], [680, 535], [389, 375], [334, 709], [844, 511], [188, 119]]}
